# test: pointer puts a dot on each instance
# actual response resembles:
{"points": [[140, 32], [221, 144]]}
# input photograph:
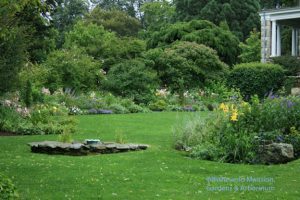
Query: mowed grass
{"points": [[157, 173]]}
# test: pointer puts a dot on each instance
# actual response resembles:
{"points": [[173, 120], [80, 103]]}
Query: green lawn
{"points": [[157, 173]]}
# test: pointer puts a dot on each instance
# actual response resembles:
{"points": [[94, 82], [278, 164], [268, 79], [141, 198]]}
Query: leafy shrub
{"points": [[55, 126], [187, 65], [218, 91], [133, 108], [159, 105], [9, 118], [291, 64], [72, 69], [133, 80], [256, 78], [205, 152], [118, 109], [7, 189], [174, 107]]}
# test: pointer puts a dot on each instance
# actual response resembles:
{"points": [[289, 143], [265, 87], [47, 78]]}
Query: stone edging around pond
{"points": [[54, 147]]}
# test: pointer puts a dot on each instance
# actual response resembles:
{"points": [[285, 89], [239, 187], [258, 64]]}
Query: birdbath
{"points": [[92, 141]]}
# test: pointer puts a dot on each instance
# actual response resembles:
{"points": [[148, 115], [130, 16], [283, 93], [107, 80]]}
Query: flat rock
{"points": [[54, 147]]}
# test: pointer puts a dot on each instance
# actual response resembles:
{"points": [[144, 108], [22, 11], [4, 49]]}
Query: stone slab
{"points": [[54, 147]]}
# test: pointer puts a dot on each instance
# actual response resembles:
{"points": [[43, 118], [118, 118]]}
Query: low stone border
{"points": [[53, 147]]}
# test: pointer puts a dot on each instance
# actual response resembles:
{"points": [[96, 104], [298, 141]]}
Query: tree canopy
{"points": [[241, 15], [186, 65], [201, 32], [115, 20]]}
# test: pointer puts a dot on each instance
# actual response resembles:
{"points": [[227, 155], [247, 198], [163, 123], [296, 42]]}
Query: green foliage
{"points": [[118, 109], [251, 49], [12, 58], [7, 189], [201, 32], [157, 14], [114, 20], [193, 133], [104, 46], [220, 92], [291, 64], [278, 114], [39, 120], [205, 152], [120, 137], [131, 79], [66, 136], [72, 68], [24, 36], [28, 98], [131, 7], [241, 16], [256, 78], [9, 118], [60, 104], [158, 105], [133, 108], [187, 65], [65, 14], [132, 48], [96, 41], [234, 133], [34, 73], [53, 126]]}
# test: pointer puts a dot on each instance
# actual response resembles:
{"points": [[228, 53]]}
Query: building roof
{"points": [[281, 13]]}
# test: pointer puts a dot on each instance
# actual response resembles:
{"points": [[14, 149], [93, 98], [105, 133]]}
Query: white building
{"points": [[271, 28]]}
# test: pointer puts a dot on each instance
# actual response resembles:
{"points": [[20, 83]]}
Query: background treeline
{"points": [[127, 47]]}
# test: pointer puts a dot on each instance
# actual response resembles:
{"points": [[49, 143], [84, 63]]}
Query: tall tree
{"points": [[103, 45], [241, 15], [19, 20], [157, 14], [132, 7], [115, 20], [64, 15], [201, 32], [251, 49], [40, 36]]}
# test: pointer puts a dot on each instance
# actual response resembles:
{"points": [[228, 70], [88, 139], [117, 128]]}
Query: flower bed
{"points": [[240, 132]]}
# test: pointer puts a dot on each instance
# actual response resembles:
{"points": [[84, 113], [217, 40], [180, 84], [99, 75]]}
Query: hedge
{"points": [[256, 78]]}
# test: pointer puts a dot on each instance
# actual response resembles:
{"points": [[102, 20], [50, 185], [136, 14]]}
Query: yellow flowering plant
{"points": [[231, 110]]}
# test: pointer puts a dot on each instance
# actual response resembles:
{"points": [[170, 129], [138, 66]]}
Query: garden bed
{"points": [[3, 133]]}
